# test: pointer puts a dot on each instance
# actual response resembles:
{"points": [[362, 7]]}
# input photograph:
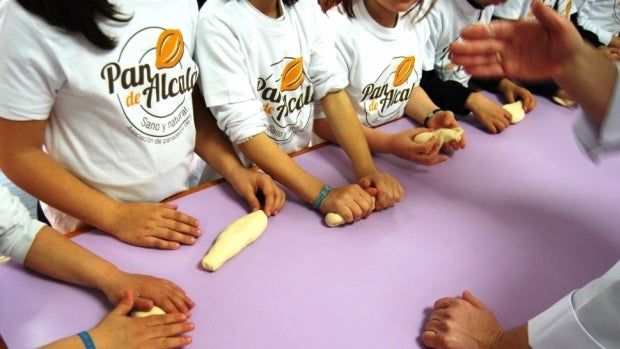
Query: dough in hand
{"points": [[442, 135], [154, 311], [333, 219], [516, 110], [234, 238]]}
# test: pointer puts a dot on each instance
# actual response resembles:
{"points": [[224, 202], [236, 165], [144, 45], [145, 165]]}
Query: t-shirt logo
{"points": [[286, 93], [152, 80], [450, 71], [383, 99], [169, 49]]}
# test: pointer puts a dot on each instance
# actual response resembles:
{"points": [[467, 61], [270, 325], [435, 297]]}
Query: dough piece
{"points": [[442, 135], [234, 238], [563, 102], [516, 110], [4, 259], [154, 311], [333, 219], [423, 137]]}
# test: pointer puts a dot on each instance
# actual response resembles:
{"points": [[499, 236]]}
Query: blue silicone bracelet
{"points": [[319, 199], [88, 342]]}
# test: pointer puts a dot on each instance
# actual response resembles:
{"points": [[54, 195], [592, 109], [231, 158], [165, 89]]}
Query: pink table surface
{"points": [[519, 218]]}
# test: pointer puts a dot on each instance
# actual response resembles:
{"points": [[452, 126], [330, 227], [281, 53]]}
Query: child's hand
{"points": [[119, 331], [489, 113], [147, 290], [513, 92], [402, 145], [388, 188], [249, 183], [446, 119], [351, 202]]}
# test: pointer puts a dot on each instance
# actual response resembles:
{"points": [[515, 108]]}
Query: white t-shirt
{"points": [[260, 74], [120, 120], [513, 9], [518, 9], [17, 228], [383, 64], [446, 19], [602, 17]]}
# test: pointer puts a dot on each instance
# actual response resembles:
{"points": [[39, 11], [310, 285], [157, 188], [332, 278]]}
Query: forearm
{"points": [[262, 151], [24, 162], [56, 256], [72, 342], [378, 141], [419, 105], [516, 338], [348, 132], [212, 145], [589, 77]]}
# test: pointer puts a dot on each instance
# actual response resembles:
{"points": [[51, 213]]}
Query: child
{"points": [[448, 85], [380, 47], [41, 248], [602, 17], [97, 119], [263, 63]]}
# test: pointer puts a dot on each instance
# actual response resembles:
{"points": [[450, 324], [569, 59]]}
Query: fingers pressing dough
{"points": [[516, 110], [333, 219], [234, 238]]}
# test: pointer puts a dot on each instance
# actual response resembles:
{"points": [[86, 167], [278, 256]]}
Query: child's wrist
{"points": [[321, 197], [430, 115]]}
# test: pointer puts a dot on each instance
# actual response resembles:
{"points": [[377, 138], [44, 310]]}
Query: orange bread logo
{"points": [[292, 75], [403, 71], [169, 49]]}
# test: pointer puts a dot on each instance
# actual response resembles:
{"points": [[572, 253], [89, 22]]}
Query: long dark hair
{"points": [[78, 16]]}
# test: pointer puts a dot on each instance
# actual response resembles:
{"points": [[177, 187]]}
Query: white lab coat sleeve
{"points": [[586, 319], [595, 139]]}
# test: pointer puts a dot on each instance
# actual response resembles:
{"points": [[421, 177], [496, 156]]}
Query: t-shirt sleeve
{"points": [[17, 229], [31, 75], [325, 74], [344, 54], [224, 80]]}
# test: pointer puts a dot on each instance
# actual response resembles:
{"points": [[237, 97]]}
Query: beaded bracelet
{"points": [[428, 116], [88, 342], [322, 195]]}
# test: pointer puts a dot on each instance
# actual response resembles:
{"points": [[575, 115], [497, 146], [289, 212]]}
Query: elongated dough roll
{"points": [[234, 238], [442, 135]]}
